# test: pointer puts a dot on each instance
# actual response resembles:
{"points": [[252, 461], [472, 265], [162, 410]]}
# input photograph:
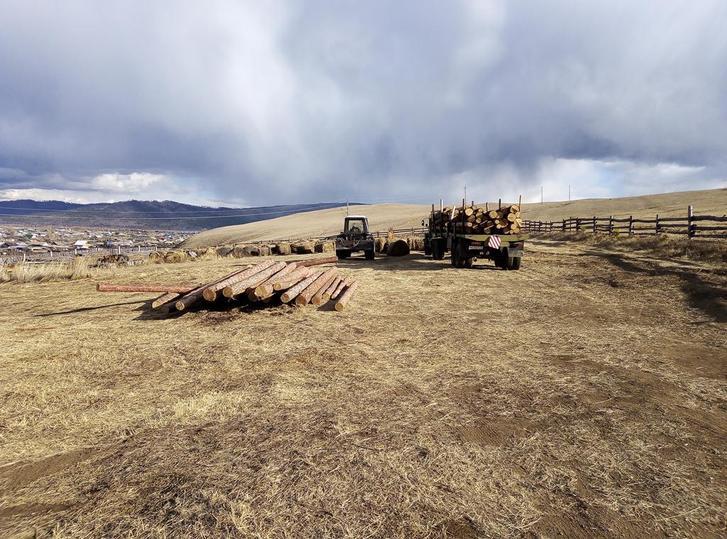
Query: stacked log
{"points": [[296, 282], [479, 220], [398, 248]]}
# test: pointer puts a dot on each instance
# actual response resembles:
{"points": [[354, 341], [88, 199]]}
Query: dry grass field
{"points": [[385, 216], [583, 396]]}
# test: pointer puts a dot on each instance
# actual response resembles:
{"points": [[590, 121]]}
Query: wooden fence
{"points": [[703, 226]]}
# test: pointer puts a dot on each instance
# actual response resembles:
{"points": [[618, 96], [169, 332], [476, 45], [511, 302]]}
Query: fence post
{"points": [[594, 224], [563, 229], [578, 224], [691, 229], [610, 225], [656, 227], [631, 225]]}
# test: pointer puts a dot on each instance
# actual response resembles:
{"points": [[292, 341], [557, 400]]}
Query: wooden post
{"points": [[691, 229], [499, 203], [656, 227], [610, 225], [563, 226], [578, 224], [631, 225], [594, 224]]}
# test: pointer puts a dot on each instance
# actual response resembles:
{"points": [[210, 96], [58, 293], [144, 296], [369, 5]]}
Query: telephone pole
{"points": [[568, 192], [541, 194]]}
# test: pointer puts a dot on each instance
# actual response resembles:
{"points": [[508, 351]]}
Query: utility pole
{"points": [[541, 194], [347, 208], [465, 193], [568, 192]]}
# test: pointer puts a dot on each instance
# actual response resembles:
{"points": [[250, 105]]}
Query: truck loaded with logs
{"points": [[472, 232]]}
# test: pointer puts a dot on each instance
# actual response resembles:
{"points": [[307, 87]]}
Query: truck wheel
{"points": [[500, 260], [469, 262], [513, 263], [343, 253], [369, 254], [437, 250]]}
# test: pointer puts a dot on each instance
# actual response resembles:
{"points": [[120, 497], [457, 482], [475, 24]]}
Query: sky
{"points": [[241, 103]]}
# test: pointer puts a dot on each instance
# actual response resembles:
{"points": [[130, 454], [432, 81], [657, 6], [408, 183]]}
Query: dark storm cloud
{"points": [[307, 101]]}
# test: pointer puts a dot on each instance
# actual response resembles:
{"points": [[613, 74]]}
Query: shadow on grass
{"points": [[84, 309], [414, 261], [706, 297]]}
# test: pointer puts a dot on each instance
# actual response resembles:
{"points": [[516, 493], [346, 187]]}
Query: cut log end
{"points": [[209, 294]]}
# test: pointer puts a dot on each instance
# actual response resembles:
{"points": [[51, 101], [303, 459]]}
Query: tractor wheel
{"points": [[343, 253], [513, 262]]}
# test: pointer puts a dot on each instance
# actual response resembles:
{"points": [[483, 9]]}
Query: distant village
{"points": [[47, 242]]}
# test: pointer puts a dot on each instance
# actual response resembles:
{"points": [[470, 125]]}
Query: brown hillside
{"points": [[383, 216]]}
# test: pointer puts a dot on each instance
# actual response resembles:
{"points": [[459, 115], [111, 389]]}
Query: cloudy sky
{"points": [[251, 103]]}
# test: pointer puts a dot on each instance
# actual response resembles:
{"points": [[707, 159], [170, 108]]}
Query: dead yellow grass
{"points": [[581, 396], [76, 268], [662, 245], [384, 216]]}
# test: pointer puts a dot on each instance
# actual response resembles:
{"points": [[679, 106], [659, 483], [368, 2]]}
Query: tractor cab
{"points": [[355, 225]]}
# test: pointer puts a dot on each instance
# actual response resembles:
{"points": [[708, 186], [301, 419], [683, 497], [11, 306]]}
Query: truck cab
{"points": [[355, 237]]}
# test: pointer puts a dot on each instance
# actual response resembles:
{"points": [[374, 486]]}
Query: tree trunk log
{"points": [[291, 293], [292, 278], [347, 295], [265, 289], [319, 298], [210, 293], [322, 281], [165, 299], [341, 286], [240, 287], [308, 262], [331, 288]]}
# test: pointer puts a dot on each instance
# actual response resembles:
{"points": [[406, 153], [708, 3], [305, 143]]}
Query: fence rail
{"points": [[690, 225]]}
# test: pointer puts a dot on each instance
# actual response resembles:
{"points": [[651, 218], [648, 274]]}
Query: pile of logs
{"points": [[479, 220], [296, 283]]}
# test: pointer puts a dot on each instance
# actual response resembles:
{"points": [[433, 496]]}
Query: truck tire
{"points": [[369, 254], [437, 250], [500, 259], [459, 254], [513, 262], [343, 253]]}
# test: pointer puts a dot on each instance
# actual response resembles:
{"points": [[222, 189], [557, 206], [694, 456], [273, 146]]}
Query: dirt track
{"points": [[581, 396]]}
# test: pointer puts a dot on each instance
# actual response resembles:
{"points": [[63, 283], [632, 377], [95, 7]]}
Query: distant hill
{"points": [[142, 214], [383, 216]]}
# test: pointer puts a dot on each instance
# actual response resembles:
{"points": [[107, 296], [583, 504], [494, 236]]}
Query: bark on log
{"points": [[164, 299], [319, 298], [308, 262], [240, 287], [265, 289], [347, 295], [343, 284], [291, 293], [190, 299], [323, 280], [292, 278], [210, 293], [166, 288], [331, 288]]}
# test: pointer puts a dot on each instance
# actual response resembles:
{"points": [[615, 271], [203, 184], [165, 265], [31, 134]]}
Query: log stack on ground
{"points": [[295, 283], [479, 220]]}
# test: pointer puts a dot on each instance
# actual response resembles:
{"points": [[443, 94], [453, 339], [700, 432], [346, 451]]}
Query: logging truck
{"points": [[466, 239]]}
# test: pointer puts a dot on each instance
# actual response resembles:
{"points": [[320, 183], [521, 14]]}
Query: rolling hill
{"points": [[140, 214], [383, 216]]}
